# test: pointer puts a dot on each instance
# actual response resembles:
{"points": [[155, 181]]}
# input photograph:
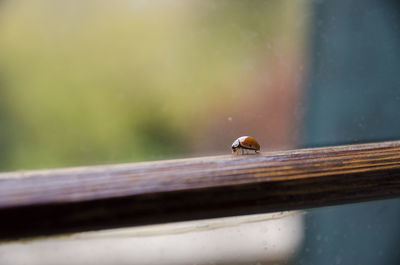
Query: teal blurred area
{"points": [[353, 93], [93, 82]]}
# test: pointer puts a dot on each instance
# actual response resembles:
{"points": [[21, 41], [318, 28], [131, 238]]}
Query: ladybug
{"points": [[244, 144]]}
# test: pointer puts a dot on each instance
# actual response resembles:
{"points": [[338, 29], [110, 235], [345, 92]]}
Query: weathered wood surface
{"points": [[45, 202]]}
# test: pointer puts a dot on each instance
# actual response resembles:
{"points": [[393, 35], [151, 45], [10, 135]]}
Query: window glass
{"points": [[98, 82]]}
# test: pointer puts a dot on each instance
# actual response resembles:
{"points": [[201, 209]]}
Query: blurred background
{"points": [[96, 82]]}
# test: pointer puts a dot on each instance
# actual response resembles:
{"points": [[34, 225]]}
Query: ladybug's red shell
{"points": [[245, 142]]}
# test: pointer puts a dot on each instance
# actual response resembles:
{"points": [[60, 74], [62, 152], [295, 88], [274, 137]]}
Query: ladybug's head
{"points": [[235, 146]]}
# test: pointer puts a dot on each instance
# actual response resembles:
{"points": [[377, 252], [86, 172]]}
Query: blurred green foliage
{"points": [[89, 82]]}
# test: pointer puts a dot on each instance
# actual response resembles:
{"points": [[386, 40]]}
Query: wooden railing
{"points": [[47, 202]]}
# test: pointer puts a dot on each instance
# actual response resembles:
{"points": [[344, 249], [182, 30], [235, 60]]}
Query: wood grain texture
{"points": [[47, 202]]}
